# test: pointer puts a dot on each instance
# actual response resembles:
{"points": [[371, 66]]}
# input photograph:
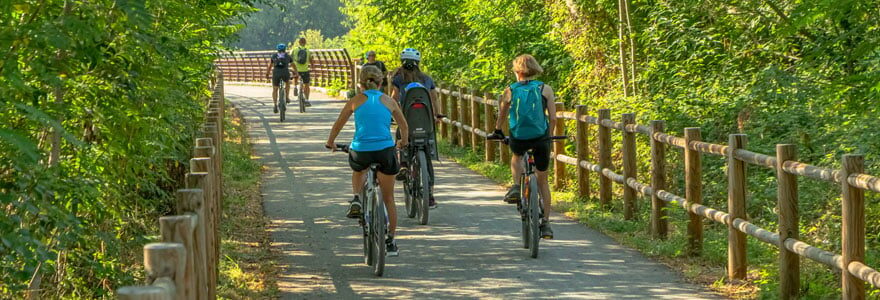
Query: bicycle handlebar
{"points": [[506, 139], [339, 147]]}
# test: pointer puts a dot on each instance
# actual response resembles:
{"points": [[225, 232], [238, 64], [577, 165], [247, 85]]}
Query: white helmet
{"points": [[410, 53]]}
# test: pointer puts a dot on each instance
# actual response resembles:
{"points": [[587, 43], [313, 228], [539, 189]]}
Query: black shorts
{"points": [[305, 77], [540, 148], [279, 75], [386, 158]]}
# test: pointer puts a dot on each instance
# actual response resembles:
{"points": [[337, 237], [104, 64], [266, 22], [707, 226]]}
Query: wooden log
{"points": [[159, 292], [693, 190], [864, 181], [659, 224], [559, 149], [865, 273], [628, 151], [454, 116], [818, 255], [853, 227], [703, 147], [787, 206], [474, 120], [736, 207], [757, 159], [604, 158], [179, 229], [166, 260], [190, 201], [806, 170], [582, 148], [489, 113]]}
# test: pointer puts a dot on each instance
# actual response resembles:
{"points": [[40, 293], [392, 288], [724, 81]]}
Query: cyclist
{"points": [[371, 61], [529, 128], [410, 72], [301, 61], [279, 65], [373, 143]]}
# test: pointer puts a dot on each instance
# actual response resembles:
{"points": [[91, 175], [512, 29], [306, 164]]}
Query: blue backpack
{"points": [[527, 119]]}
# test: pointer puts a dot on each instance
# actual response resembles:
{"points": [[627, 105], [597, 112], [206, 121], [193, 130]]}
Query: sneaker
{"points": [[354, 209], [546, 231], [275, 109], [512, 195], [308, 104], [287, 100], [391, 247], [401, 175], [432, 204]]}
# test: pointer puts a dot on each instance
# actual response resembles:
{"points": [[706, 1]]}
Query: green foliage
{"points": [[122, 85], [283, 21]]}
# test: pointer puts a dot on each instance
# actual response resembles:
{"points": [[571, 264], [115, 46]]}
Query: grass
{"points": [[247, 268]]}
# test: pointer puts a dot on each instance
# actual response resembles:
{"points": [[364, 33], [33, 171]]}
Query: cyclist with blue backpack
{"points": [[528, 104], [279, 65], [407, 77]]}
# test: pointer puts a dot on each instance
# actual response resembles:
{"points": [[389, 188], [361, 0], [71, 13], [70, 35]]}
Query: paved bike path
{"points": [[471, 248]]}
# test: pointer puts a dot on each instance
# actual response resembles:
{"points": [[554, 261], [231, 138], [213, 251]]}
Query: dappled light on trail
{"points": [[471, 247]]}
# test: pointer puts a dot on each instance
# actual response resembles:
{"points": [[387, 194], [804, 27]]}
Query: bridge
{"points": [[470, 248]]}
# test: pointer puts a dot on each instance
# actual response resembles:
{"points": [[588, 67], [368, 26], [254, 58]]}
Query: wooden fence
{"points": [[471, 117], [185, 264], [326, 66]]}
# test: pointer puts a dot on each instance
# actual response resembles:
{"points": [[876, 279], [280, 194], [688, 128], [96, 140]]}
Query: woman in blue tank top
{"points": [[373, 143]]}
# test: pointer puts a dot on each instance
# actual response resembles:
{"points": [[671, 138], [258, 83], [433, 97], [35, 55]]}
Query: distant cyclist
{"points": [[410, 72], [279, 66], [371, 61], [373, 143], [301, 61], [529, 104]]}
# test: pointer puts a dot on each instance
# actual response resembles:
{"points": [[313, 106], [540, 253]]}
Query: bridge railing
{"points": [[471, 117], [184, 265], [326, 67]]}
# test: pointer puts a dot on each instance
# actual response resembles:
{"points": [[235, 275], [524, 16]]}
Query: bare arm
{"points": [[397, 114], [503, 109], [551, 105], [344, 115], [395, 94]]}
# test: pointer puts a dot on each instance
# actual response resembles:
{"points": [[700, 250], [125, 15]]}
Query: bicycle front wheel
{"points": [[425, 184], [534, 212], [408, 196]]}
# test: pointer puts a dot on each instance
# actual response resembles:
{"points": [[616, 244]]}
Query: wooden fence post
{"points": [[442, 101], [205, 166], [489, 113], [559, 149], [504, 149], [659, 226], [604, 158], [190, 202], [179, 229], [629, 166], [475, 121], [454, 116], [736, 207], [463, 113], [787, 205], [166, 261], [583, 152], [693, 189], [853, 229], [143, 293]]}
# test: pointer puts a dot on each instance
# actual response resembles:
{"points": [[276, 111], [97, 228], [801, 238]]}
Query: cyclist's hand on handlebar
{"points": [[331, 146], [439, 117], [402, 143], [497, 135]]}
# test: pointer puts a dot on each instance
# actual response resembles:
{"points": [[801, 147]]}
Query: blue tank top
{"points": [[372, 124]]}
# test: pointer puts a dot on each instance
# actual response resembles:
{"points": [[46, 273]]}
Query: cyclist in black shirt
{"points": [[371, 61], [279, 65]]}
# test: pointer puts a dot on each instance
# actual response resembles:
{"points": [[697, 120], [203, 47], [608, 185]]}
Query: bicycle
{"points": [[530, 204], [298, 92], [374, 229], [282, 100]]}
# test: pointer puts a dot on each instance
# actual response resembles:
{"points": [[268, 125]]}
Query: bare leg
{"points": [[516, 168], [544, 189], [308, 90], [386, 184], [357, 182]]}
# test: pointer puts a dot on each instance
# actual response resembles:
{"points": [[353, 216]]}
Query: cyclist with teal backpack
{"points": [[528, 104]]}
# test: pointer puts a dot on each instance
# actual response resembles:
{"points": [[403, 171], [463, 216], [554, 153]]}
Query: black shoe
{"points": [[391, 247], [401, 175], [308, 104], [432, 204], [512, 195], [275, 109], [354, 209], [287, 100], [546, 231]]}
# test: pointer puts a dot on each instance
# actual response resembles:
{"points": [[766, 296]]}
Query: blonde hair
{"points": [[371, 77], [527, 65]]}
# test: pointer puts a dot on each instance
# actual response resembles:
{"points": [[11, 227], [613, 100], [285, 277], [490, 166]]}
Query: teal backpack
{"points": [[527, 119]]}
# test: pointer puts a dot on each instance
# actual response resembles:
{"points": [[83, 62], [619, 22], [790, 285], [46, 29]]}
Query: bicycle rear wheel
{"points": [[282, 102], [425, 184], [534, 212], [523, 208], [380, 228]]}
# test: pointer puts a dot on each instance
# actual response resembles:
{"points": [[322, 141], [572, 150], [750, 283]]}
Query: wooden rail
{"points": [[326, 66], [460, 123], [184, 265]]}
